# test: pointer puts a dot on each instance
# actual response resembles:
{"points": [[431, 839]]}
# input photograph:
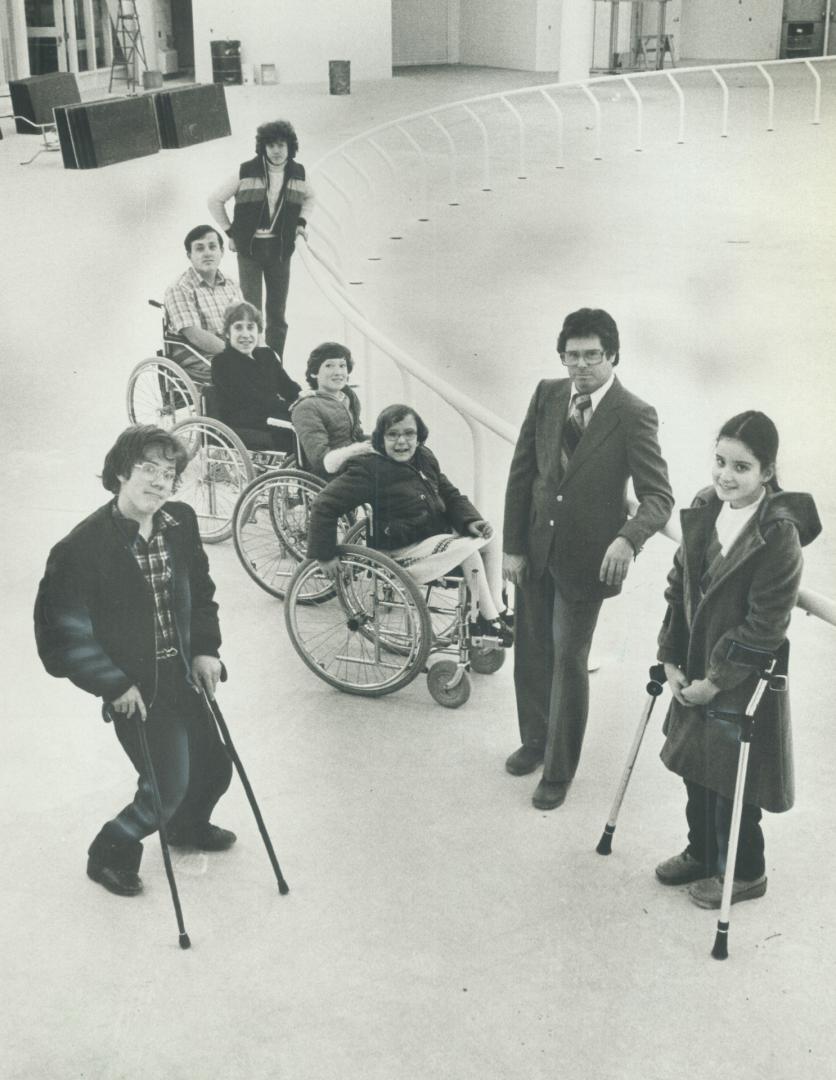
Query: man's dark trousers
{"points": [[553, 636], [191, 765], [266, 262]]}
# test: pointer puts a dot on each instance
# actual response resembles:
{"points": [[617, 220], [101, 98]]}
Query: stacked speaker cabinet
{"points": [[191, 114], [34, 98], [226, 62], [98, 133]]}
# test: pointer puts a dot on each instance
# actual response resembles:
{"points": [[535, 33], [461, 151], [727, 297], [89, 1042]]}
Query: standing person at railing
{"points": [[730, 596], [273, 203], [568, 540]]}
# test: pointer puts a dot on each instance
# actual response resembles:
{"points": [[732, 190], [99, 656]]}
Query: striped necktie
{"points": [[576, 422]]}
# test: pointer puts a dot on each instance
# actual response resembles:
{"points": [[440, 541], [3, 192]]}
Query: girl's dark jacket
{"points": [[410, 501], [94, 614], [748, 602]]}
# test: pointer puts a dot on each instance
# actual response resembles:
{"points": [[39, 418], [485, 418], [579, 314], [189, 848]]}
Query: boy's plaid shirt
{"points": [[155, 564]]}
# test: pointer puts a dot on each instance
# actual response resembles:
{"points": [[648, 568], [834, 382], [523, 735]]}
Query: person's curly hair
{"points": [[276, 131]]}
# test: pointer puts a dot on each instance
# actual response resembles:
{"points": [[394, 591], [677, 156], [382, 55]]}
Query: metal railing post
{"points": [[681, 136], [597, 106], [486, 161], [521, 130], [559, 114], [639, 107], [724, 128], [771, 117]]}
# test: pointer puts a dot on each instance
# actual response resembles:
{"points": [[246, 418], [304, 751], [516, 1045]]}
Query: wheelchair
{"points": [[160, 389], [162, 392], [374, 629]]}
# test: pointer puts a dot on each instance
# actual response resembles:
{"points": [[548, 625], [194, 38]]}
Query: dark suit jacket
{"points": [[567, 522]]}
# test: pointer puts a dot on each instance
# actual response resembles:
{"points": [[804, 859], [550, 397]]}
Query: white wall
{"points": [[421, 31], [731, 29], [298, 36], [499, 33], [547, 45]]}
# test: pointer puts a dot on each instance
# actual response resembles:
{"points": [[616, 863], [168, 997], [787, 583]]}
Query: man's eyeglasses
{"points": [[589, 356], [156, 472]]}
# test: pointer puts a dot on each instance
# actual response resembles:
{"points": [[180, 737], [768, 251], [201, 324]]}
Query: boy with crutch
{"points": [[126, 611]]}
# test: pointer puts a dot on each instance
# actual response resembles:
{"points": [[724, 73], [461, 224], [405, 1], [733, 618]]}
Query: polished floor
{"points": [[437, 925]]}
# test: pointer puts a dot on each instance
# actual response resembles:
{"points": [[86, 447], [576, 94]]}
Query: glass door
{"points": [[46, 36]]}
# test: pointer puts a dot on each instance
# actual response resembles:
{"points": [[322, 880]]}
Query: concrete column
{"points": [[576, 39]]}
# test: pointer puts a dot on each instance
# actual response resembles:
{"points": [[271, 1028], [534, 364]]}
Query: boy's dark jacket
{"points": [[94, 613]]}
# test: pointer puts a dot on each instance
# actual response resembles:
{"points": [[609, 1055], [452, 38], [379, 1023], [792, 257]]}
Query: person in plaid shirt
{"points": [[126, 611], [195, 303]]}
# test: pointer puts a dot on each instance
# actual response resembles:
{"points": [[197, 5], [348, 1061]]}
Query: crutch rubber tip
{"points": [[284, 888], [605, 843], [184, 941], [721, 942]]}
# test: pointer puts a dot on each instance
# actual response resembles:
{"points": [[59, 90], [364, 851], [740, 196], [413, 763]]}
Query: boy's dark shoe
{"points": [[203, 837], [115, 880]]}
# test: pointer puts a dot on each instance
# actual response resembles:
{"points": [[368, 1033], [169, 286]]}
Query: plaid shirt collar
{"points": [[200, 282], [130, 529]]}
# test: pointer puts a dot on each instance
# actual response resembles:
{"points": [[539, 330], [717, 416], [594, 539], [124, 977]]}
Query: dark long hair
{"points": [[760, 437]]}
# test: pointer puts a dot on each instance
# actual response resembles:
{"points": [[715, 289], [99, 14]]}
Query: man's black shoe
{"points": [[204, 837], [120, 882], [524, 760]]}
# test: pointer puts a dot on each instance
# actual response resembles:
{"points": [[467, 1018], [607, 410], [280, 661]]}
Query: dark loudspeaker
{"points": [[98, 133], [35, 98], [191, 114]]}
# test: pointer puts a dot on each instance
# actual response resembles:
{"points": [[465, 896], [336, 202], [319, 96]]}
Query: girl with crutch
{"points": [[730, 595]]}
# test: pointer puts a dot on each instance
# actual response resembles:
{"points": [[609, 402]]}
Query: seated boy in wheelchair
{"points": [[251, 385], [418, 517], [195, 302], [327, 417]]}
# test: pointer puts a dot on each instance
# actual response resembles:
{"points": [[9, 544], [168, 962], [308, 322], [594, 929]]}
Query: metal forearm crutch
{"points": [[110, 714], [158, 809], [217, 718], [654, 688], [773, 674]]}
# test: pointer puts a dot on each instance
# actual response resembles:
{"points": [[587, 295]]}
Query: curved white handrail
{"points": [[328, 276]]}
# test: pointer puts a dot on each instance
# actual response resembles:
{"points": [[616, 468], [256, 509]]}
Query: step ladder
{"points": [[129, 47], [652, 51]]}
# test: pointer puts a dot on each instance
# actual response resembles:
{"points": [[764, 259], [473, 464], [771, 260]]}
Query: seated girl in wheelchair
{"points": [[327, 417], [418, 517], [251, 385]]}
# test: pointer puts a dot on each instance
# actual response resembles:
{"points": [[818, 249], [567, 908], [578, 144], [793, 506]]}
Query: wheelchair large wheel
{"points": [[349, 640], [292, 492], [262, 551], [219, 469], [160, 392]]}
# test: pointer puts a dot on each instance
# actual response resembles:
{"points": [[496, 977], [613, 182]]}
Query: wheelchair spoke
{"points": [[373, 636]]}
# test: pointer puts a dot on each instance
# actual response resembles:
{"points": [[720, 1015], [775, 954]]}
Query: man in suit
{"points": [[568, 539]]}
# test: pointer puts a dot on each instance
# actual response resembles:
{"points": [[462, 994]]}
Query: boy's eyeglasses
{"points": [[156, 472]]}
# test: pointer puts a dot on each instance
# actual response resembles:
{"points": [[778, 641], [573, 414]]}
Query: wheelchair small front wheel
{"points": [[443, 685], [485, 661]]}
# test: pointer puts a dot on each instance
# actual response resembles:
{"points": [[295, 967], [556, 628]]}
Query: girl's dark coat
{"points": [[749, 601]]}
